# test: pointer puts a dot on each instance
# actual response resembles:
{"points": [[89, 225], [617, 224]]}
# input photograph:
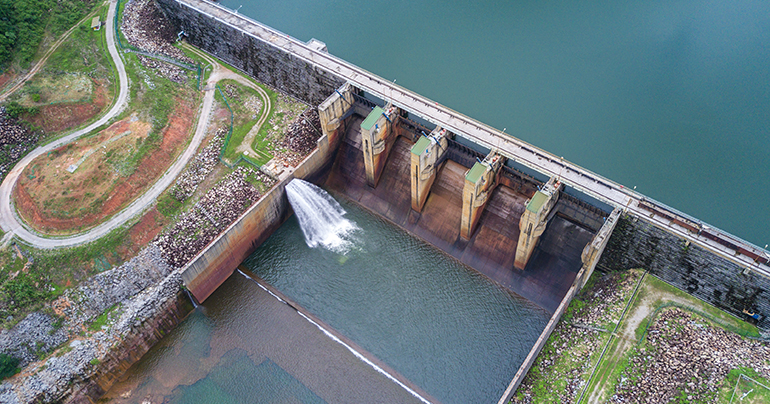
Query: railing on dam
{"points": [[734, 249]]}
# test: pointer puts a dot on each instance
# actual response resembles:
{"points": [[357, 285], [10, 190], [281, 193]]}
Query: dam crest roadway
{"points": [[732, 248]]}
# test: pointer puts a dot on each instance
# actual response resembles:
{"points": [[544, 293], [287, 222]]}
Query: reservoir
{"points": [[669, 96], [444, 327]]}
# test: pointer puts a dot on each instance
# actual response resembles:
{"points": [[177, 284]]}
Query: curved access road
{"points": [[221, 73], [9, 222]]}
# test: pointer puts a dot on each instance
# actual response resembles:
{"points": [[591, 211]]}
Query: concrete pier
{"points": [[480, 182], [492, 247], [534, 220], [426, 155], [378, 133]]}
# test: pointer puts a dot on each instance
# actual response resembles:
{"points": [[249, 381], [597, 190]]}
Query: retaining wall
{"points": [[212, 266], [636, 243], [261, 60]]}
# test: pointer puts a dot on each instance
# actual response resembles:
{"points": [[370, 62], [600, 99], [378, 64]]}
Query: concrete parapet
{"points": [[425, 157], [378, 134], [534, 220], [480, 182]]}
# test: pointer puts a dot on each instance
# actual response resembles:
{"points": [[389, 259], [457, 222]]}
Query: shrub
{"points": [[9, 366]]}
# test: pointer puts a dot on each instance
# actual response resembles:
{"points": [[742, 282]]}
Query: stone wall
{"points": [[636, 243], [261, 60], [83, 369]]}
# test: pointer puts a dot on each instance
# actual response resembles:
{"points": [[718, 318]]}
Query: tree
{"points": [[7, 31]]}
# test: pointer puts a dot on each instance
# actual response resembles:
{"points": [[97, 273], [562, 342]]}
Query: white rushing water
{"points": [[320, 217]]}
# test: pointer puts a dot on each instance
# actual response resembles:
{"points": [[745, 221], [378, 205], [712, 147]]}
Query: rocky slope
{"points": [[144, 295]]}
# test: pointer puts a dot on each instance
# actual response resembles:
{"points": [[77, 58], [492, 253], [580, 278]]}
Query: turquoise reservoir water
{"points": [[671, 96], [450, 331]]}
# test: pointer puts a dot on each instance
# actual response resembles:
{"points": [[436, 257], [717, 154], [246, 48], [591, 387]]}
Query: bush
{"points": [[9, 366], [14, 109]]}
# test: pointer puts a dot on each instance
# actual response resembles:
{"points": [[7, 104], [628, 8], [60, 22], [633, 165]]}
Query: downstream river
{"points": [[450, 332], [670, 96]]}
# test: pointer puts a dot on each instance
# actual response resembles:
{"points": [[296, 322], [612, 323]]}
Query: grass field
{"points": [[250, 108]]}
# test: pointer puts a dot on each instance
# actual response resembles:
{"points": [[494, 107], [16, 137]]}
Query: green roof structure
{"points": [[475, 173], [372, 119], [421, 145], [536, 202]]}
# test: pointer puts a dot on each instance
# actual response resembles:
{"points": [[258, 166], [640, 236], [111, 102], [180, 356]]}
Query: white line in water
{"points": [[349, 348]]}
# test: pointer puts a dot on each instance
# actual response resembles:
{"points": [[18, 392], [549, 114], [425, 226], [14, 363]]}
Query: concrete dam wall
{"points": [[636, 243], [558, 266], [492, 247], [262, 61]]}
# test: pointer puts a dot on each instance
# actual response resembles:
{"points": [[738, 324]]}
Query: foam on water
{"points": [[320, 217]]}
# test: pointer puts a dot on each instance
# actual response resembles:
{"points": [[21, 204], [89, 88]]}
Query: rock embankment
{"points": [[141, 291], [199, 168], [146, 28], [219, 208], [302, 136], [15, 141], [35, 335], [94, 296], [687, 358]]}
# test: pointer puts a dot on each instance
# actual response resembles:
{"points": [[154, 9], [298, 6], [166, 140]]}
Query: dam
{"points": [[526, 219]]}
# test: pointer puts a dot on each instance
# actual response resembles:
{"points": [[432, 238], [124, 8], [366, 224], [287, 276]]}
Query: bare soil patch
{"points": [[147, 228], [6, 77], [52, 200], [54, 118]]}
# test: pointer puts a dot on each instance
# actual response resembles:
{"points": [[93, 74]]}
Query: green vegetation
{"points": [[167, 205], [83, 52], [9, 366], [272, 133], [743, 389], [102, 319], [51, 272], [24, 24], [15, 110], [244, 119]]}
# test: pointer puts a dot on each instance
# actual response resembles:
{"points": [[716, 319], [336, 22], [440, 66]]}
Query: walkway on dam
{"points": [[521, 152]]}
